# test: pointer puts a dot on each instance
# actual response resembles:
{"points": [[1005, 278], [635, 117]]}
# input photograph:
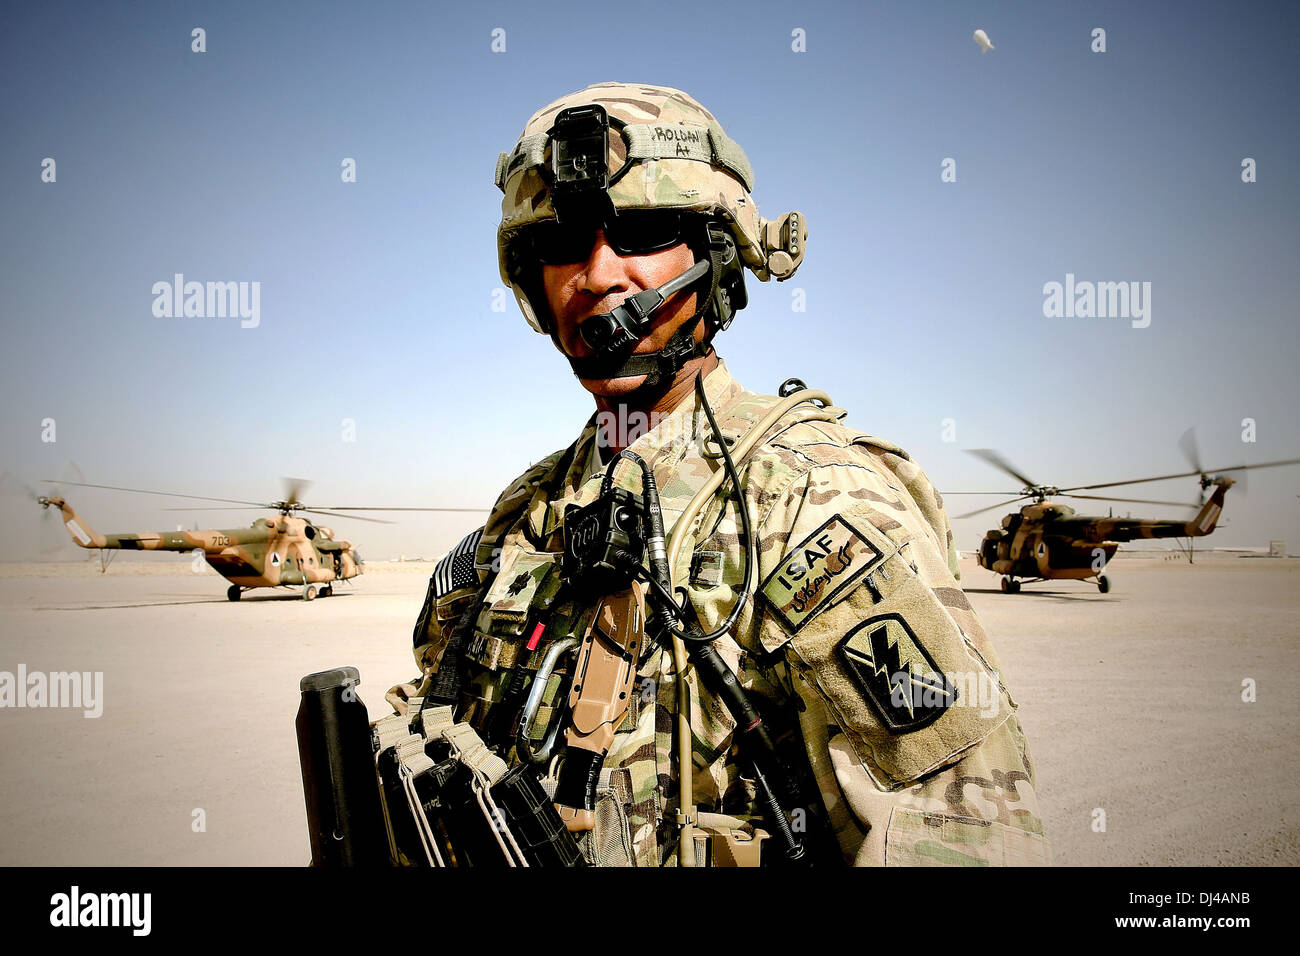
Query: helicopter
{"points": [[1047, 540], [275, 551]]}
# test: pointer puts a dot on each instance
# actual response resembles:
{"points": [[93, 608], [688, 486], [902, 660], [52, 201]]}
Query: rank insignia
{"points": [[706, 569], [897, 673], [816, 571]]}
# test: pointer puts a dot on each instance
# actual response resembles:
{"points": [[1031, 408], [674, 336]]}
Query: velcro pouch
{"points": [[907, 688], [525, 587]]}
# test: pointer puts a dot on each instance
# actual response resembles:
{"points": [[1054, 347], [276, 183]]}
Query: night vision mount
{"points": [[580, 177], [580, 181]]}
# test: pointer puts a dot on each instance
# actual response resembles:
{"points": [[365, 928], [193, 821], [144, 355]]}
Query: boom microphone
{"points": [[613, 332]]}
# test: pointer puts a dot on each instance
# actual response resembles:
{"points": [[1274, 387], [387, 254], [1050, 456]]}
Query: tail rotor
{"points": [[51, 540]]}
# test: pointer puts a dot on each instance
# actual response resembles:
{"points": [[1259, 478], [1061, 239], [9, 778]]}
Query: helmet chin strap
{"points": [[657, 367], [614, 334]]}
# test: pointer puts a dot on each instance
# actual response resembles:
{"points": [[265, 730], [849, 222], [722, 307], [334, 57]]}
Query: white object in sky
{"points": [[982, 38]]}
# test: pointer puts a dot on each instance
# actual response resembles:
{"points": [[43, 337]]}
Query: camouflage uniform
{"points": [[856, 585], [854, 597]]}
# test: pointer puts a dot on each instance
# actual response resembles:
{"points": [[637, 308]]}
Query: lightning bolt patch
{"points": [[896, 672]]}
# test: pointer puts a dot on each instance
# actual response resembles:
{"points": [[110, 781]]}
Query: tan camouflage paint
{"points": [[272, 552], [967, 777], [1048, 540]]}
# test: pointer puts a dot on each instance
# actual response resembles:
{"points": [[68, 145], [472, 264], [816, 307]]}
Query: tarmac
{"points": [[1161, 717]]}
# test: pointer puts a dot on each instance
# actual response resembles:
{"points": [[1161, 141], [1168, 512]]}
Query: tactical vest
{"points": [[504, 617]]}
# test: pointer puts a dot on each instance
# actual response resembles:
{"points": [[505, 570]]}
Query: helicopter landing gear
{"points": [[309, 593], [327, 591], [234, 592], [1103, 583], [1010, 586]]}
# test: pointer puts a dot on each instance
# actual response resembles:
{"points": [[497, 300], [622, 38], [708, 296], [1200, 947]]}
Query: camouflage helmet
{"points": [[676, 157]]}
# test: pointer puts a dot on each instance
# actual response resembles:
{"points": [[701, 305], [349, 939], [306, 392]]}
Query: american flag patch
{"points": [[456, 569]]}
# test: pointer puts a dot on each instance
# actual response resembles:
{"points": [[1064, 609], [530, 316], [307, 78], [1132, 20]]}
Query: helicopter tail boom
{"points": [[207, 541], [1131, 529]]}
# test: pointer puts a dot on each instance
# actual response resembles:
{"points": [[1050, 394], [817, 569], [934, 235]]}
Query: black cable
{"points": [[770, 777], [664, 594], [747, 531], [660, 575]]}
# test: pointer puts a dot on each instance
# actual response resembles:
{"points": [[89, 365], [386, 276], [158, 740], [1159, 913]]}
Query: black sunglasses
{"points": [[633, 232]]}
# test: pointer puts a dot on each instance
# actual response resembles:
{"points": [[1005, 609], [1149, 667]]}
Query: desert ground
{"points": [[1132, 701]]}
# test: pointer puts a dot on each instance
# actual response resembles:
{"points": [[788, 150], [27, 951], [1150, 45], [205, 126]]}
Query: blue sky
{"points": [[924, 298]]}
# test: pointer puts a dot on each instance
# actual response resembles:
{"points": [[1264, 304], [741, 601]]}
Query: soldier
{"points": [[831, 572]]}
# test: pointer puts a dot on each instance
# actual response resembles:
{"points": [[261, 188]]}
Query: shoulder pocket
{"points": [[903, 683]]}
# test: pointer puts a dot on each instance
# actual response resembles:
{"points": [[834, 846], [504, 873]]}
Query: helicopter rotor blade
{"points": [[999, 462], [1242, 480], [52, 540], [1000, 504], [294, 488], [69, 474], [50, 537], [315, 511], [1183, 474], [1133, 481], [328, 511], [145, 491], [948, 494], [1136, 501], [339, 514], [230, 508], [363, 508], [13, 487], [1187, 445]]}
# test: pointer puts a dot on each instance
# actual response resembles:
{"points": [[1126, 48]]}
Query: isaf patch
{"points": [[817, 570], [896, 673]]}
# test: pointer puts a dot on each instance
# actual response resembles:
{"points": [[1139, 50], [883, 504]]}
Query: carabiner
{"points": [[531, 752]]}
